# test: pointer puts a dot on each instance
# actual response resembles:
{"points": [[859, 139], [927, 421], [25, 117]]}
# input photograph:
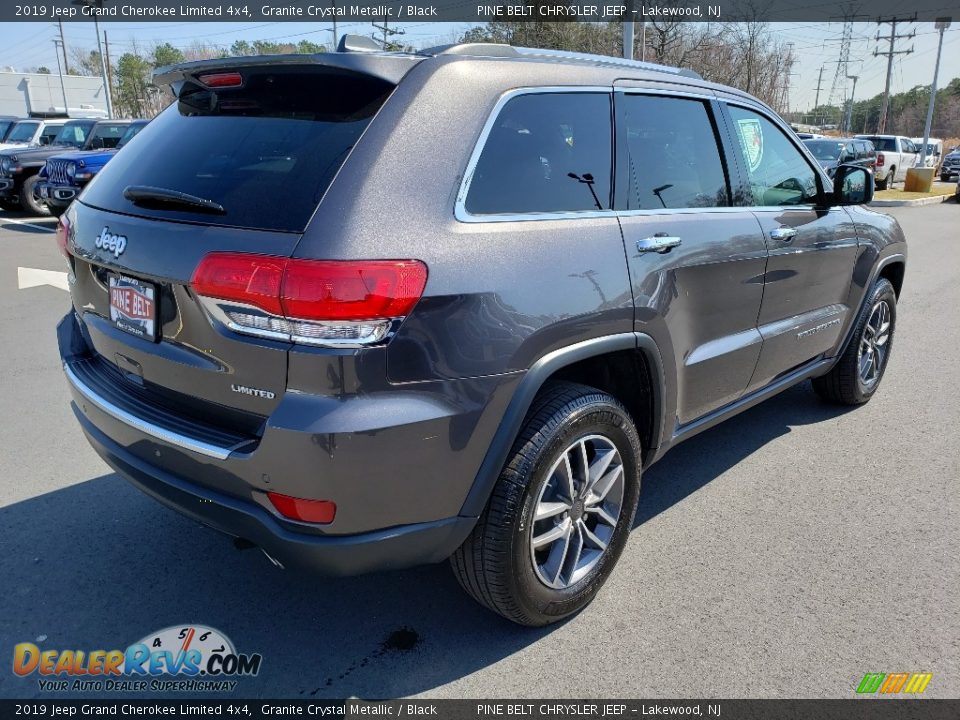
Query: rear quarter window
{"points": [[265, 151]]}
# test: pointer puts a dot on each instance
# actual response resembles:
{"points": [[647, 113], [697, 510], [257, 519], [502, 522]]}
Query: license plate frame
{"points": [[133, 306]]}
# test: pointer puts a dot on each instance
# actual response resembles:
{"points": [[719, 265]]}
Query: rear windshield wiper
{"points": [[147, 196]]}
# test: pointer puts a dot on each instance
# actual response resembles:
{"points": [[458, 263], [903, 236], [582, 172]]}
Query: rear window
{"points": [[266, 151], [884, 144]]}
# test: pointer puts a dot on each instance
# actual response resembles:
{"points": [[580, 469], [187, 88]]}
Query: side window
{"points": [[48, 134], [778, 173], [546, 152], [668, 155]]}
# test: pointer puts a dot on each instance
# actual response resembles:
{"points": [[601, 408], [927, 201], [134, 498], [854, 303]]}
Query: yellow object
{"points": [[918, 180]]}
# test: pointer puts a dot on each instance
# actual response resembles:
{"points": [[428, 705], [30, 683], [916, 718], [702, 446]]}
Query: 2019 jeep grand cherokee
{"points": [[370, 310]]}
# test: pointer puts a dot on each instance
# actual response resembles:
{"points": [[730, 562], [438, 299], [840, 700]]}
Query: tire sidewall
{"points": [[598, 417], [27, 201], [882, 290]]}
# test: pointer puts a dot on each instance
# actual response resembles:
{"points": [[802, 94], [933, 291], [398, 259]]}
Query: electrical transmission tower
{"points": [[838, 87], [892, 38]]}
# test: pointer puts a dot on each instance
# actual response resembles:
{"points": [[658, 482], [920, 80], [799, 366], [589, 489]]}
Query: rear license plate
{"points": [[133, 306]]}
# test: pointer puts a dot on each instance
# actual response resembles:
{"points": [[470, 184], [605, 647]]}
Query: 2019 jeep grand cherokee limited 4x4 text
{"points": [[371, 310]]}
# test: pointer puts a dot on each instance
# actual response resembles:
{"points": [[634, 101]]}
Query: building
{"points": [[39, 95]]}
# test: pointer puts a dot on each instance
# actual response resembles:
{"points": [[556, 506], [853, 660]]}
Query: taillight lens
{"points": [[63, 234], [318, 302], [313, 511], [879, 159]]}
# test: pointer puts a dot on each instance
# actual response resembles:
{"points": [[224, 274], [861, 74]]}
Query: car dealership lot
{"points": [[784, 553]]}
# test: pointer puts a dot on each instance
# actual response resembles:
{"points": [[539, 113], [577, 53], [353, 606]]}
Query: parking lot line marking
{"points": [[22, 222], [34, 277]]}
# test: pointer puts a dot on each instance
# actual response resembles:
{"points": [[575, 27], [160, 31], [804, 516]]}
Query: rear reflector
{"points": [[319, 302], [313, 511], [232, 79], [63, 233]]}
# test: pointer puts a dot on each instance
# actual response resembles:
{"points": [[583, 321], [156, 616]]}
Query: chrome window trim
{"points": [[160, 433], [462, 215]]}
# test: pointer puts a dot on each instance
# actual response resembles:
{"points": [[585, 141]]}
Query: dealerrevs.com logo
{"points": [[182, 658]]}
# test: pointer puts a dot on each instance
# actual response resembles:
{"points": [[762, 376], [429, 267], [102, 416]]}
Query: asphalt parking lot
{"points": [[784, 553]]}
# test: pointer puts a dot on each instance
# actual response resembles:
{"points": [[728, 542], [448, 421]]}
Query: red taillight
{"points": [[313, 511], [248, 279], [63, 233], [879, 159], [364, 290], [312, 301], [221, 80]]}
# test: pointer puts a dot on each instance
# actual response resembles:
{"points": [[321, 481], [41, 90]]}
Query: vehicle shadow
{"points": [[702, 458], [98, 565]]}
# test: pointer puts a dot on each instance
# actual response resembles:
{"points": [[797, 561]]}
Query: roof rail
{"points": [[605, 60], [510, 51]]}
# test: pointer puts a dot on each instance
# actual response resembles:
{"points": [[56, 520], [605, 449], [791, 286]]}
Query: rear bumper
{"points": [[399, 464], [391, 548]]}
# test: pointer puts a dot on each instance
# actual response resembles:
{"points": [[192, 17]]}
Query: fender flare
{"points": [[874, 274], [531, 384]]}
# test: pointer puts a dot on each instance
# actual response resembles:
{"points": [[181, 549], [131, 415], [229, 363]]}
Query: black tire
{"points": [[881, 184], [892, 177], [9, 205], [497, 564], [845, 383], [28, 202]]}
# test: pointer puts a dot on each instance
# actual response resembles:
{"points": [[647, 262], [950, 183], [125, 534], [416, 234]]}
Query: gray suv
{"points": [[368, 310]]}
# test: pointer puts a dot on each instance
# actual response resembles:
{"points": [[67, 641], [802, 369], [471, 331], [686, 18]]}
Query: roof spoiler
{"points": [[390, 67]]}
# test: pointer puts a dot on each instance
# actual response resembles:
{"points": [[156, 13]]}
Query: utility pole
{"points": [[848, 122], [333, 4], [106, 49], [628, 40], [96, 5], [63, 87], [816, 102], [63, 44], [892, 38], [942, 24], [387, 32]]}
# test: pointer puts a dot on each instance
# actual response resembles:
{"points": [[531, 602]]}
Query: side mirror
{"points": [[852, 185]]}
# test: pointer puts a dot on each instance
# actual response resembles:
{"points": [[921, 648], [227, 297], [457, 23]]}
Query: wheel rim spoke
{"points": [[552, 535], [550, 509], [603, 515], [590, 537]]}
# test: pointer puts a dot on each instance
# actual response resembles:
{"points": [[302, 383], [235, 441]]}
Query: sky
{"points": [[815, 44]]}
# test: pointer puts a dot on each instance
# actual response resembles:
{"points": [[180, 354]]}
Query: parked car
{"points": [[832, 152], [934, 151], [26, 133], [19, 168], [950, 167], [64, 176], [366, 317], [895, 155]]}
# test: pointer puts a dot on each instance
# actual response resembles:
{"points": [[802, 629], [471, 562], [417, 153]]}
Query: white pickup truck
{"points": [[895, 155]]}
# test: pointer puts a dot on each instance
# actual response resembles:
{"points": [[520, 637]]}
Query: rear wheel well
{"points": [[626, 376], [894, 273]]}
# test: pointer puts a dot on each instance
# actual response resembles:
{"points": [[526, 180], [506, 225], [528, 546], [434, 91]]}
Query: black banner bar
{"points": [[872, 708], [464, 10]]}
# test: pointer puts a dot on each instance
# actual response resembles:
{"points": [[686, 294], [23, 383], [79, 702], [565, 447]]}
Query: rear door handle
{"points": [[784, 234], [658, 244]]}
